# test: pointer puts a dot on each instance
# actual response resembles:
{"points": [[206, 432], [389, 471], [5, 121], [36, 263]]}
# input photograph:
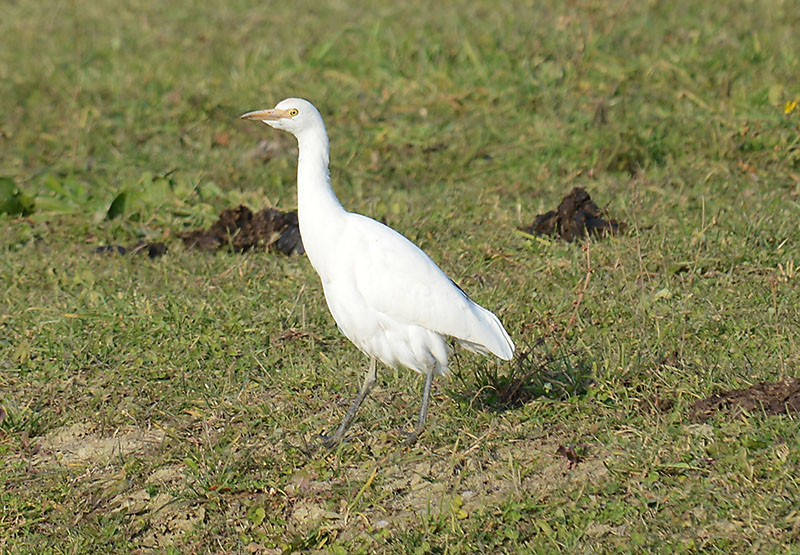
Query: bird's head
{"points": [[294, 115]]}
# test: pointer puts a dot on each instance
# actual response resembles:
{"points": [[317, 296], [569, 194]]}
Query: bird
{"points": [[386, 295]]}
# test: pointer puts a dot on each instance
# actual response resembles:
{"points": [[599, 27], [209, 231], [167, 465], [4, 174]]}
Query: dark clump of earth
{"points": [[153, 250], [576, 216], [111, 249], [770, 398], [241, 230]]}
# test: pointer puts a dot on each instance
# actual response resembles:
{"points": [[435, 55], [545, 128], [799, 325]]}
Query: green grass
{"points": [[162, 403]]}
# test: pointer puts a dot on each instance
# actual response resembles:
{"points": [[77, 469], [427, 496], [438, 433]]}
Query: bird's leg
{"points": [[369, 380], [423, 411]]}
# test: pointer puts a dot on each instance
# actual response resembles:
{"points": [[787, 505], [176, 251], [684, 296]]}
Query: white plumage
{"points": [[386, 295]]}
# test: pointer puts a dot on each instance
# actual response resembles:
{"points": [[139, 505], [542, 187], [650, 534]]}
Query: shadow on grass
{"points": [[536, 371]]}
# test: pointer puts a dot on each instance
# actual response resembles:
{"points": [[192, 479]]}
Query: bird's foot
{"points": [[329, 441], [410, 437]]}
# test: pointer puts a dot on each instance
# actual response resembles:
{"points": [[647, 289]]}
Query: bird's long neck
{"points": [[319, 212]]}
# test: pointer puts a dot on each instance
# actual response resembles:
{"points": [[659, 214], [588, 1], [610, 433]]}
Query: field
{"points": [[173, 404]]}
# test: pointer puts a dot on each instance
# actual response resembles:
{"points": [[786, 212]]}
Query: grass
{"points": [[169, 404]]}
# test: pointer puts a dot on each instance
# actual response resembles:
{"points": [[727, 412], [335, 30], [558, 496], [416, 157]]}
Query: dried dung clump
{"points": [[770, 398], [577, 216], [153, 250], [242, 230]]}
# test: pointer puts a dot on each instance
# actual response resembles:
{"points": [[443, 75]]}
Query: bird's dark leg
{"points": [[423, 411], [369, 380]]}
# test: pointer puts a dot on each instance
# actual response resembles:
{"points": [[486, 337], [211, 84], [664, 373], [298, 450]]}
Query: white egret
{"points": [[387, 296]]}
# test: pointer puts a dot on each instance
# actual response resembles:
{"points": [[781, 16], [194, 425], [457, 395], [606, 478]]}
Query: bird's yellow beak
{"points": [[266, 115]]}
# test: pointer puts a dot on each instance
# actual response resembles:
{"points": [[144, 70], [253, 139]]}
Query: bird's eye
{"points": [[293, 112]]}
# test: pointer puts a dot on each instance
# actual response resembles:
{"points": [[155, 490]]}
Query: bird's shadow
{"points": [[536, 371]]}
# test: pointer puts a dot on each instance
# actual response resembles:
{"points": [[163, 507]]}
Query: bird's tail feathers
{"points": [[488, 336]]}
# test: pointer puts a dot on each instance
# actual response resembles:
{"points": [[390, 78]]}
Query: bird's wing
{"points": [[396, 278]]}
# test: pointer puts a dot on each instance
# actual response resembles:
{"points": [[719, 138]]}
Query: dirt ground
{"points": [[161, 508], [410, 484]]}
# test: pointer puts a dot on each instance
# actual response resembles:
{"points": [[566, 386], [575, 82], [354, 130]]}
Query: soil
{"points": [[157, 513], [241, 230], [452, 486], [576, 216], [769, 398], [81, 443], [156, 520]]}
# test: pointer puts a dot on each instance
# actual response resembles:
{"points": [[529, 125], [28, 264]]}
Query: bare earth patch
{"points": [[157, 517], [770, 398], [399, 490], [415, 486], [80, 444]]}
